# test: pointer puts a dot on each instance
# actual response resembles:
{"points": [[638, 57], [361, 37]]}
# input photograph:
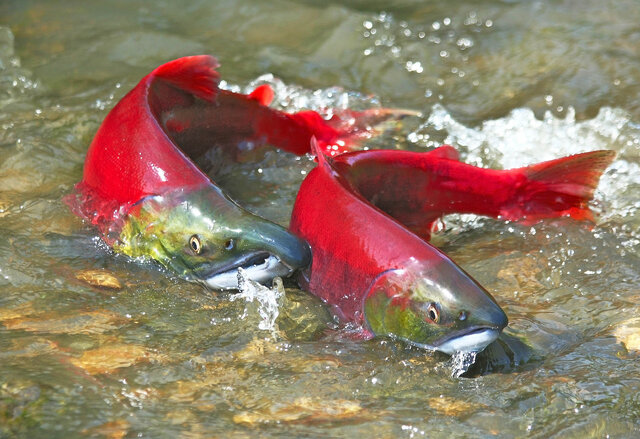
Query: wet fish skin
{"points": [[419, 188], [356, 211], [149, 199], [228, 237], [142, 190]]}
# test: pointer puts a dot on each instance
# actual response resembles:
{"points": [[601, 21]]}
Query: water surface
{"points": [[95, 345]]}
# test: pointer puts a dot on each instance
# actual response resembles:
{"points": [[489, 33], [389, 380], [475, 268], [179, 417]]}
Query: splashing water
{"points": [[520, 139], [461, 362], [267, 299], [180, 364], [516, 139]]}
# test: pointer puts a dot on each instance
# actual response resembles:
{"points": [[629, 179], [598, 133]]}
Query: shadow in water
{"points": [[505, 355]]}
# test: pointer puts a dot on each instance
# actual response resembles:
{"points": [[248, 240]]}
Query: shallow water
{"points": [[94, 345]]}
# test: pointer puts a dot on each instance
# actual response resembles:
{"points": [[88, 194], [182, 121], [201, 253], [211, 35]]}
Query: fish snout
{"points": [[292, 251], [226, 237], [434, 307], [264, 250], [496, 317]]}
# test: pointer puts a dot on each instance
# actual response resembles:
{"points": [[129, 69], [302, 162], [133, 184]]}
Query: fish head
{"points": [[204, 236], [437, 307]]}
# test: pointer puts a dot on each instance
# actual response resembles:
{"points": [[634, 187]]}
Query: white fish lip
{"points": [[471, 340], [262, 272]]}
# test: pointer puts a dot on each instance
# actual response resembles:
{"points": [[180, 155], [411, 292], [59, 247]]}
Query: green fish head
{"points": [[204, 236], [438, 308]]}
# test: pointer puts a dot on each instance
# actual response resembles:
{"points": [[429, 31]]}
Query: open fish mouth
{"points": [[473, 339], [259, 267]]}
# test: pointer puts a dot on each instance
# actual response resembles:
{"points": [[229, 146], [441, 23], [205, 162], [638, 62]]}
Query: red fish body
{"points": [[145, 144], [148, 198], [356, 211], [419, 188]]}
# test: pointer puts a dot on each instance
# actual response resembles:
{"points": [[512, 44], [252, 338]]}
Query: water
{"points": [[267, 299], [93, 345]]}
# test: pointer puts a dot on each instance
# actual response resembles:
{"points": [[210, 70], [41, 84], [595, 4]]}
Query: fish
{"points": [[359, 231], [149, 200], [367, 217]]}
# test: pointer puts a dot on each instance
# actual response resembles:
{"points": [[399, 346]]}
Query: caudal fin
{"points": [[347, 129], [194, 74], [561, 187]]}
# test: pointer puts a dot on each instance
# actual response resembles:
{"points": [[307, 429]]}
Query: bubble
{"points": [[464, 43]]}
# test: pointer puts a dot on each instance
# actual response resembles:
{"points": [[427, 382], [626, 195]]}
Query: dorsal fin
{"points": [[324, 161], [317, 151], [445, 152], [194, 74], [263, 94]]}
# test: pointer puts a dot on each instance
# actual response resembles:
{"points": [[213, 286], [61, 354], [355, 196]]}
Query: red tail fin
{"points": [[347, 129], [561, 187], [194, 74]]}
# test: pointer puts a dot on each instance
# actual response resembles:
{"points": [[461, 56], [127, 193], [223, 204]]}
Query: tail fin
{"points": [[194, 74], [347, 129], [561, 187]]}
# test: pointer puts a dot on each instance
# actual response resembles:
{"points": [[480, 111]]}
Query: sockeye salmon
{"points": [[141, 188], [367, 217]]}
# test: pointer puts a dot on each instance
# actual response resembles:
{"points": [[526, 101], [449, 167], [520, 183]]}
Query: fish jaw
{"points": [[262, 272], [472, 340], [203, 236], [424, 307]]}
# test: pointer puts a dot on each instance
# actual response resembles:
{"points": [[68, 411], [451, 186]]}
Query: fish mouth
{"points": [[258, 266], [473, 339]]}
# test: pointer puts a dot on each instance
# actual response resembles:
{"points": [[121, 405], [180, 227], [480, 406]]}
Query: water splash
{"points": [[14, 80], [266, 299], [461, 362], [292, 97], [520, 138]]}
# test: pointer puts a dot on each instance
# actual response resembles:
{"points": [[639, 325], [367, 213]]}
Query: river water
{"points": [[95, 345]]}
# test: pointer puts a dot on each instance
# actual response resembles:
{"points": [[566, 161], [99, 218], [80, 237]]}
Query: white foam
{"points": [[520, 139]]}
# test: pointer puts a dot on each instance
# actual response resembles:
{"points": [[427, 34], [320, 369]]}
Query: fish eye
{"points": [[229, 244], [433, 313], [195, 244]]}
